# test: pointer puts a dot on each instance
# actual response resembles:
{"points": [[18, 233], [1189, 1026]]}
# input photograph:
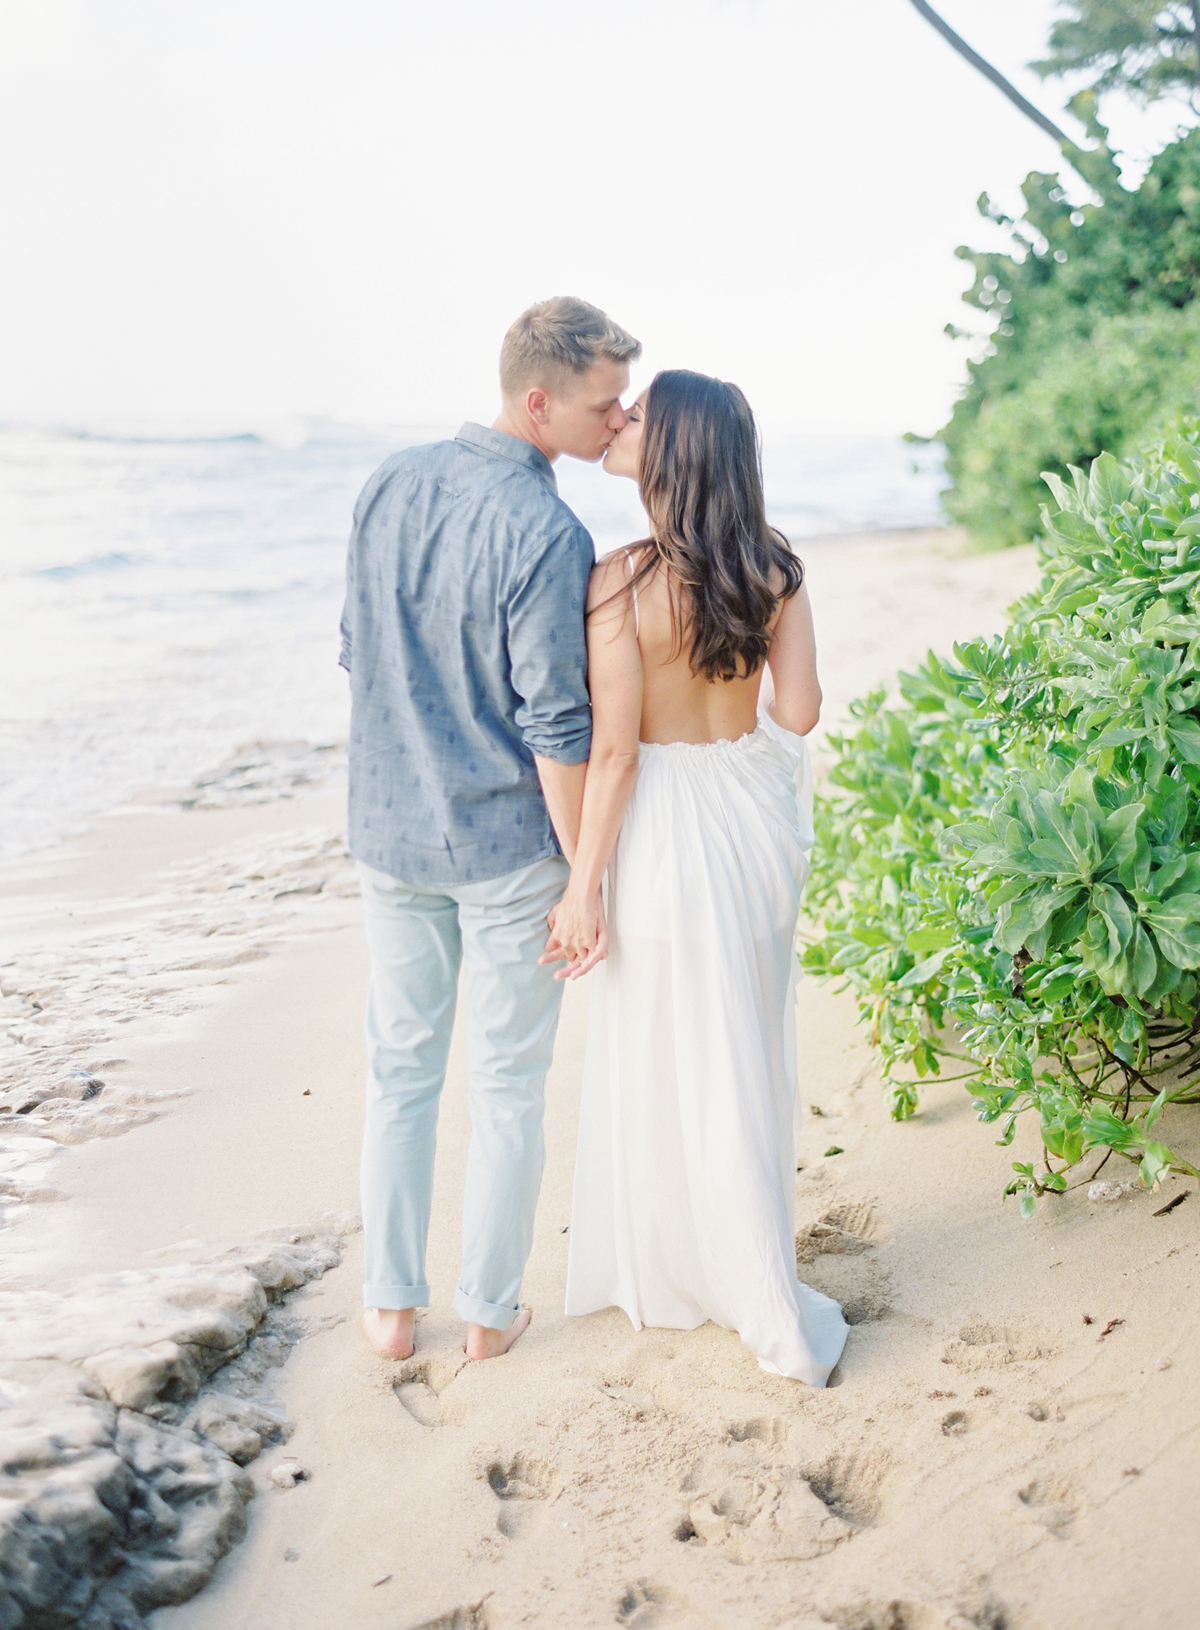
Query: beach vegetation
{"points": [[1094, 339], [1149, 49], [989, 70], [1007, 867]]}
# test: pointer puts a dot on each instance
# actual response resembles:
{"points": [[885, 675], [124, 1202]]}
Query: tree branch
{"points": [[998, 79]]}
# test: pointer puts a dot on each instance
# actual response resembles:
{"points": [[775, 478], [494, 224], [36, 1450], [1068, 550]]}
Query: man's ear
{"points": [[537, 405]]}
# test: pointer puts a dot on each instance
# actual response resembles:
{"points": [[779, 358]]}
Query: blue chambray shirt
{"points": [[463, 635]]}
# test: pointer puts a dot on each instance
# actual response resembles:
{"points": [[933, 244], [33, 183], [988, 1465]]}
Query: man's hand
{"points": [[578, 936]]}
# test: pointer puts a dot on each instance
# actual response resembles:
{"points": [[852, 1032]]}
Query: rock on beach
{"points": [[120, 1488]]}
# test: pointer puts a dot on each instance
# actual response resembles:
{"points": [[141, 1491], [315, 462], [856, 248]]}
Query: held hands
{"points": [[578, 935]]}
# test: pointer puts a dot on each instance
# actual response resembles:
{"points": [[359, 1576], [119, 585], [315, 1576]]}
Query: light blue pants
{"points": [[417, 938]]}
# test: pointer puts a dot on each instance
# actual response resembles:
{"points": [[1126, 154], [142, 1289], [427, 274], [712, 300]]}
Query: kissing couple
{"points": [[559, 765]]}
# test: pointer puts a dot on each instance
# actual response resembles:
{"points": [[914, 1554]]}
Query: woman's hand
{"points": [[578, 934], [578, 931]]}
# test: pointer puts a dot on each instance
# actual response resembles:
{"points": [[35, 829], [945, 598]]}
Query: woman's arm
{"points": [[562, 788], [615, 679], [793, 663]]}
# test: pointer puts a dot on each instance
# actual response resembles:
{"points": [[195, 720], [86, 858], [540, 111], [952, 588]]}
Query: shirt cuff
{"points": [[570, 749]]}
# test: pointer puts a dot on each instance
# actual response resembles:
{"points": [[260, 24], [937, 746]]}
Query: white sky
{"points": [[245, 210]]}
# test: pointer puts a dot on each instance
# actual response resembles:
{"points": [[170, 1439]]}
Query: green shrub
{"points": [[1092, 349], [1112, 388], [1008, 862]]}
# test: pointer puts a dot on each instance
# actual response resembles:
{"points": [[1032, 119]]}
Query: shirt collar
{"points": [[501, 445]]}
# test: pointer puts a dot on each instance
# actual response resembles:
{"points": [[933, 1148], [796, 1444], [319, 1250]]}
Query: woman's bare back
{"points": [[677, 704]]}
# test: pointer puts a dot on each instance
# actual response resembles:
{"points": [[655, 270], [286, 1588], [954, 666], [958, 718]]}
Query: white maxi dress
{"points": [[685, 1175]]}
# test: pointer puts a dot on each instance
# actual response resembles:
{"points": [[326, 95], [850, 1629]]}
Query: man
{"points": [[463, 635]]}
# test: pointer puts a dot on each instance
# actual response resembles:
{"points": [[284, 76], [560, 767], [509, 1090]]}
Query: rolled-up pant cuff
{"points": [[395, 1298], [489, 1314]]}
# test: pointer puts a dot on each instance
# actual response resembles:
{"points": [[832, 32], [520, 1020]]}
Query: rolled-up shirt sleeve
{"points": [[346, 645], [348, 606], [362, 509], [547, 647]]}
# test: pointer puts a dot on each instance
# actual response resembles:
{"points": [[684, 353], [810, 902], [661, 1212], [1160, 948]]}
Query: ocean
{"points": [[169, 601]]}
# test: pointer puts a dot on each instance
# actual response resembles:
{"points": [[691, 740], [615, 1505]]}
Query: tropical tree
{"points": [[1095, 347], [991, 73], [1144, 47], [1098, 339]]}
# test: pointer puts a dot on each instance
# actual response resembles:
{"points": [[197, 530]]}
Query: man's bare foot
{"points": [[485, 1343], [390, 1330]]}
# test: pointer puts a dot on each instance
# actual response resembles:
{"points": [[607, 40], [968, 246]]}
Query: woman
{"points": [[684, 1183]]}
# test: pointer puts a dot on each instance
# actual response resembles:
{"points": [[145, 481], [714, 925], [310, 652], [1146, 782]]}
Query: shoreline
{"points": [[969, 1468], [264, 769]]}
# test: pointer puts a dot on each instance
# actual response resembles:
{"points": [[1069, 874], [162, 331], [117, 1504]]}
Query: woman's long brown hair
{"points": [[701, 480]]}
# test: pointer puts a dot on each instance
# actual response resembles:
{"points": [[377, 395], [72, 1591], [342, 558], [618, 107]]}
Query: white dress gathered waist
{"points": [[685, 1178]]}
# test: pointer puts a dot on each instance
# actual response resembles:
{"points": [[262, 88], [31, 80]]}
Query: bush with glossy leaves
{"points": [[1008, 862]]}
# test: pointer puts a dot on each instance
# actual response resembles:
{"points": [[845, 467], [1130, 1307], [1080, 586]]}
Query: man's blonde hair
{"points": [[558, 339]]}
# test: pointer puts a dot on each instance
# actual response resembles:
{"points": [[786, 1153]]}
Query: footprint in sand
{"points": [[640, 1405], [762, 1430], [990, 1346], [1050, 1502], [646, 1605], [459, 1618], [516, 1484], [421, 1401], [850, 1486], [757, 1514], [825, 1253], [847, 1229], [992, 1615], [419, 1384], [882, 1616]]}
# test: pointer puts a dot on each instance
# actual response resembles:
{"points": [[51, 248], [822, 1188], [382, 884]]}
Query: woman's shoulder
{"points": [[610, 575], [787, 569], [617, 567], [614, 578], [624, 556]]}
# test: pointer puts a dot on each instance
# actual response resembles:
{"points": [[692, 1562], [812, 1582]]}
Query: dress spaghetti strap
{"points": [[637, 619]]}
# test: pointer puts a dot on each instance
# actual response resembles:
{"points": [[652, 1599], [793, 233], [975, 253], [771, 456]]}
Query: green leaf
{"points": [[1144, 961], [923, 971], [1155, 1110], [1103, 1129], [1185, 738], [1155, 1165], [930, 939], [1058, 984], [1106, 485], [1175, 924]]}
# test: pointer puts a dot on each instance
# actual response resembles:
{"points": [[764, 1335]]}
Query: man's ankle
{"points": [[484, 1342], [390, 1330]]}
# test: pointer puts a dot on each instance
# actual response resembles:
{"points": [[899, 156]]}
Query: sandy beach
{"points": [[1008, 1443]]}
